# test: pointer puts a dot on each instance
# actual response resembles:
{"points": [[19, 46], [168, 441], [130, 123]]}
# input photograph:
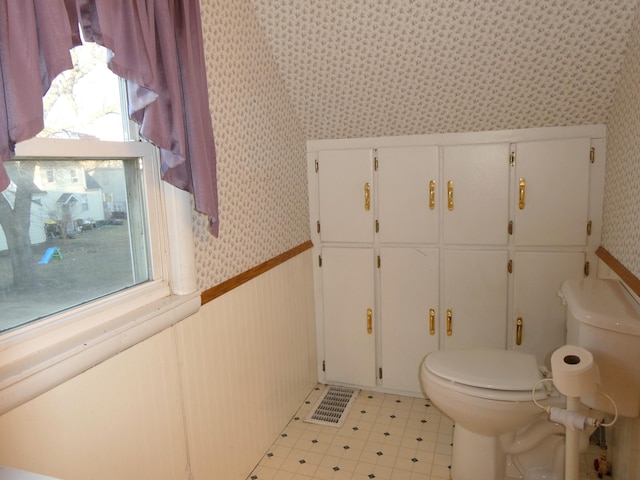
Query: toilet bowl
{"points": [[488, 394]]}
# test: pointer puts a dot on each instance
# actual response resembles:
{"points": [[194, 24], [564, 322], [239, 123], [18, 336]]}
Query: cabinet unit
{"points": [[553, 192], [476, 184], [345, 184], [453, 243], [538, 322], [407, 194], [475, 298], [409, 307], [349, 310]]}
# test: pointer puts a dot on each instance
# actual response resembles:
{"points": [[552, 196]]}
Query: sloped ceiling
{"points": [[362, 68]]}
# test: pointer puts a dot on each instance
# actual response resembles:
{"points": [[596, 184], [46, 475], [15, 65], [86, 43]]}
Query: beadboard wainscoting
{"points": [[203, 399], [249, 361]]}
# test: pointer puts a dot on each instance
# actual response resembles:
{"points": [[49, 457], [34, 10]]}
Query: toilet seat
{"points": [[503, 375]]}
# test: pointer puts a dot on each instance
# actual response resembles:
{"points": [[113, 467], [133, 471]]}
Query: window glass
{"points": [[85, 102], [67, 242], [73, 228]]}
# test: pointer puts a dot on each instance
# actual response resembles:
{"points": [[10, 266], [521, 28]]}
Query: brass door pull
{"points": [[369, 321], [450, 194], [367, 197], [521, 195], [519, 331], [432, 194], [432, 321], [449, 322]]}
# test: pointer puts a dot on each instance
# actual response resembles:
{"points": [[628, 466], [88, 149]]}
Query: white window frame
{"points": [[39, 356]]}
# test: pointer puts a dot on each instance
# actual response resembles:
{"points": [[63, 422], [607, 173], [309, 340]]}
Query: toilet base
{"points": [[477, 456]]}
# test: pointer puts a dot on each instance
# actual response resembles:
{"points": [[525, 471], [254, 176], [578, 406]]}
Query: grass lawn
{"points": [[94, 263]]}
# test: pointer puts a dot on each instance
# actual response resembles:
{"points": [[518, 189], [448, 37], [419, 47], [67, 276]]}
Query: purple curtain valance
{"points": [[157, 47]]}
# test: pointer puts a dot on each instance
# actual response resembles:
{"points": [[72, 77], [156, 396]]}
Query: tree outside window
{"points": [[66, 232]]}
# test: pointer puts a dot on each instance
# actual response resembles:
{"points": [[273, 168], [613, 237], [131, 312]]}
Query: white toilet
{"points": [[487, 392]]}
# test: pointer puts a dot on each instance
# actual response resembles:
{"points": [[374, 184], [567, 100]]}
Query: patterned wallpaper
{"points": [[282, 72], [261, 149], [621, 226], [366, 68]]}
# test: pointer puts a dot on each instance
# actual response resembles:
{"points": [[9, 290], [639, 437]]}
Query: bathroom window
{"points": [[61, 245], [84, 238], [66, 246]]}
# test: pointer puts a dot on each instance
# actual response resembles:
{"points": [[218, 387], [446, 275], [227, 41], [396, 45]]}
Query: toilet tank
{"points": [[604, 318]]}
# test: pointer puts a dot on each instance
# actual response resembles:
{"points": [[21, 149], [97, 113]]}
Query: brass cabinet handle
{"points": [[369, 321], [450, 194], [519, 331], [449, 322], [367, 197], [432, 194], [522, 189], [432, 321]]}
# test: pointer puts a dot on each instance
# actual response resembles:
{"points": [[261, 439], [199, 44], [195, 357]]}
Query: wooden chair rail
{"points": [[228, 285], [612, 262]]}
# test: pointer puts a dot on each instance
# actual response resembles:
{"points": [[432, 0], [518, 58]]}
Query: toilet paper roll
{"points": [[574, 371]]}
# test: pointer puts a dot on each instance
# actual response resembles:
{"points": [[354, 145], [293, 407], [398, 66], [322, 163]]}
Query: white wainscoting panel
{"points": [[248, 362]]}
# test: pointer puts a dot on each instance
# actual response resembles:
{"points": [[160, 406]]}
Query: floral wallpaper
{"points": [[621, 226], [261, 149], [282, 72], [368, 68]]}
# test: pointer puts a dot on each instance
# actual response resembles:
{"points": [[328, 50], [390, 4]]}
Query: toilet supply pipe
{"points": [[558, 412], [572, 444], [571, 419], [603, 465], [574, 422]]}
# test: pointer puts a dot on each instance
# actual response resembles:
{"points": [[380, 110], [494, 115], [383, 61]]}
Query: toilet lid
{"points": [[486, 368]]}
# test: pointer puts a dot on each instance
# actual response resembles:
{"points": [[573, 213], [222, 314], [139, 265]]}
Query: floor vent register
{"points": [[333, 406]]}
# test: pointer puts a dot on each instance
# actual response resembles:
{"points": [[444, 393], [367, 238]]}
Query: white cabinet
{"points": [[475, 298], [409, 298], [472, 196], [446, 244], [538, 322], [553, 192], [408, 207], [345, 189], [476, 188], [349, 315]]}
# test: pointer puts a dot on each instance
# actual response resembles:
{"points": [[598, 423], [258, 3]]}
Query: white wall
{"points": [[205, 397]]}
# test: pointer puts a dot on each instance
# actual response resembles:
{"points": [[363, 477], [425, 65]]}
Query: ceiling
{"points": [[363, 68]]}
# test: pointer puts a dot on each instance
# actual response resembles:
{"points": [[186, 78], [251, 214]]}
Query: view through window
{"points": [[72, 229]]}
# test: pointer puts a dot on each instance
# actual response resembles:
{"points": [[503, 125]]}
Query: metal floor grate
{"points": [[333, 406]]}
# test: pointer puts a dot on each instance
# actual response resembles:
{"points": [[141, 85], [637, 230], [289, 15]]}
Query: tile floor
{"points": [[385, 437]]}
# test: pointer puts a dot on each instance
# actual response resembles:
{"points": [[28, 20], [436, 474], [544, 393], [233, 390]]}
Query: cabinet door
{"points": [[537, 280], [407, 195], [408, 298], [476, 194], [349, 315], [552, 190], [475, 294], [345, 190]]}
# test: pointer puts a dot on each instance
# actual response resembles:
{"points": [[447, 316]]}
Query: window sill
{"points": [[40, 364], [38, 357]]}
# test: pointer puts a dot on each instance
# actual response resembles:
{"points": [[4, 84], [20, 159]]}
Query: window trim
{"points": [[39, 356]]}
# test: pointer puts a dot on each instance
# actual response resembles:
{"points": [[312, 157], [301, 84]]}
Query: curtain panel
{"points": [[157, 48]]}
